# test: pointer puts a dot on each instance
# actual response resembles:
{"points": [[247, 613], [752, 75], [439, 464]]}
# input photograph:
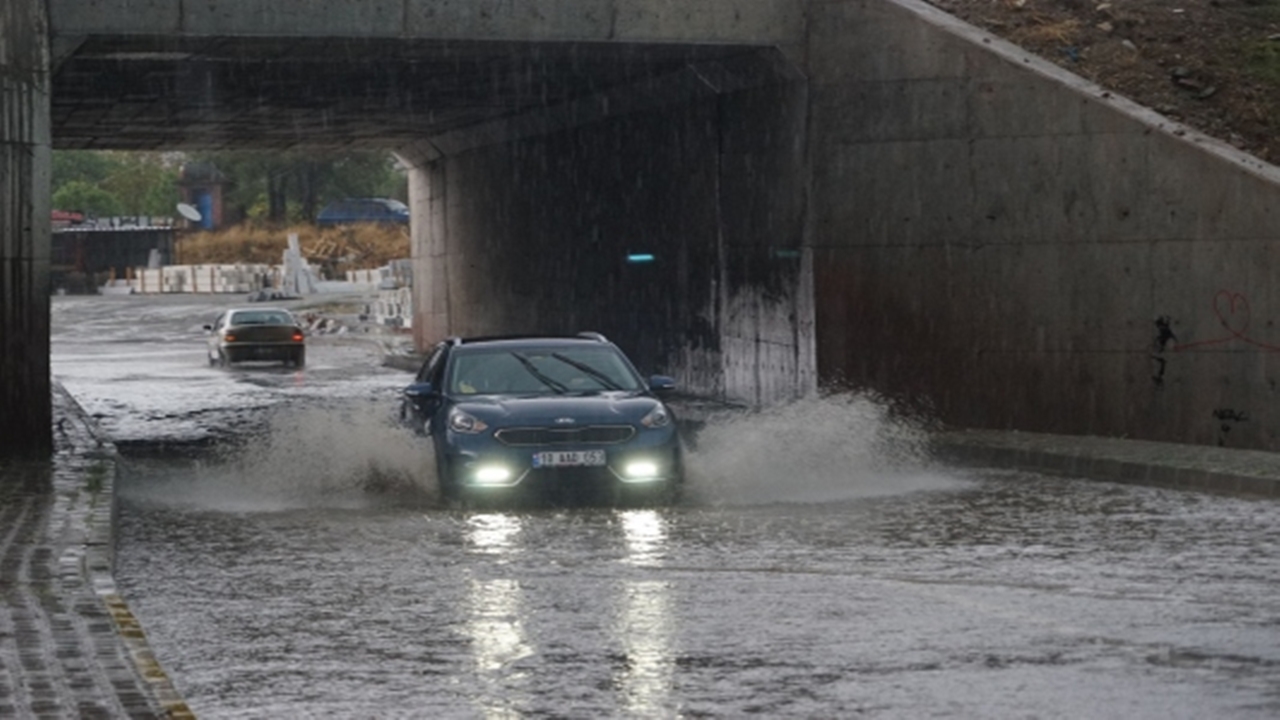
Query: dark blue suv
{"points": [[563, 415], [363, 210]]}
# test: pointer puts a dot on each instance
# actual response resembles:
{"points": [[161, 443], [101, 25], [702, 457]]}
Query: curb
{"points": [[1252, 473], [97, 555]]}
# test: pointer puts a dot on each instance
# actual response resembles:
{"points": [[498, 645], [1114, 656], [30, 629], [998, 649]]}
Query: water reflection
{"points": [[647, 624], [645, 532], [497, 632], [493, 533]]}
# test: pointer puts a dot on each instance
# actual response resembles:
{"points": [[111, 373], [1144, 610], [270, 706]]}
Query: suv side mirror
{"points": [[662, 384], [420, 390]]}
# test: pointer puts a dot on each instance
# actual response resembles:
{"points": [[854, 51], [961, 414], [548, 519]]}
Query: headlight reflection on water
{"points": [[493, 533], [494, 624], [497, 643], [645, 532], [647, 622], [508, 624]]}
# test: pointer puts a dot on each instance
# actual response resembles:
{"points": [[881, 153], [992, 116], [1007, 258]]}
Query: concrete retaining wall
{"points": [[673, 229], [1013, 247]]}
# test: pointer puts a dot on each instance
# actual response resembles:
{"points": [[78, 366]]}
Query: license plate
{"points": [[569, 458]]}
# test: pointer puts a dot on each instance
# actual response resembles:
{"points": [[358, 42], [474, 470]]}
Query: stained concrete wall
{"points": [[763, 22], [1011, 247], [25, 167], [533, 235]]}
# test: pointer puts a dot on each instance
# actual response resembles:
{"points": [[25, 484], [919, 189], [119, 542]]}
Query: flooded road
{"points": [[283, 548]]}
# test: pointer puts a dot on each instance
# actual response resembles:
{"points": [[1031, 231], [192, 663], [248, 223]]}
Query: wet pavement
{"points": [[69, 645], [280, 543]]}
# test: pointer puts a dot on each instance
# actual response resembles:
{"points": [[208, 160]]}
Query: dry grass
{"points": [[337, 249], [1040, 30]]}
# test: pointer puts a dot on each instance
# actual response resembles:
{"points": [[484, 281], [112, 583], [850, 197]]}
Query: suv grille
{"points": [[590, 435]]}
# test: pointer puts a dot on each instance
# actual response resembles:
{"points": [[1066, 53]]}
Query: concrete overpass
{"points": [[857, 192]]}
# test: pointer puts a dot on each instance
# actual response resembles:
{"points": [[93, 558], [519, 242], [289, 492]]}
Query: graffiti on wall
{"points": [[1164, 335], [1227, 418], [1233, 312]]}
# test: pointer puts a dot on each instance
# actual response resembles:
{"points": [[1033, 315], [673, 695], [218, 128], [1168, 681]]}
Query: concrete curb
{"points": [[99, 459], [1251, 473]]}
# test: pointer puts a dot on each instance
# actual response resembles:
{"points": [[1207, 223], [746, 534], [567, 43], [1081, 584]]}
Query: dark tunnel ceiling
{"points": [[210, 93]]}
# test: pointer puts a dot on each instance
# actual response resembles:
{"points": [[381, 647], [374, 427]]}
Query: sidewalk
{"points": [[69, 647], [1138, 462]]}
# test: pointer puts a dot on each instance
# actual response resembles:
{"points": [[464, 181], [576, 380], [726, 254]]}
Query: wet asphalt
{"points": [[280, 541]]}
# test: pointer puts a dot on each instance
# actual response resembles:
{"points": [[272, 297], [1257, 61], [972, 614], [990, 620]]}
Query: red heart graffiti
{"points": [[1233, 312]]}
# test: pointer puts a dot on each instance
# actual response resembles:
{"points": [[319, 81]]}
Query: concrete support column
{"points": [[428, 232], [25, 167]]}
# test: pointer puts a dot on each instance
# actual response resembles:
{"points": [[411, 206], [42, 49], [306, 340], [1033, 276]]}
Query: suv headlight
{"points": [[657, 417], [464, 422]]}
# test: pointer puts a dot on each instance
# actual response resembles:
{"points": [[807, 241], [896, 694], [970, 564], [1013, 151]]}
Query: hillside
{"points": [[1213, 65]]}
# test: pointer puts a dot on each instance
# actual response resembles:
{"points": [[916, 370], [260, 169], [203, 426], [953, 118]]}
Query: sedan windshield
{"points": [[550, 371]]}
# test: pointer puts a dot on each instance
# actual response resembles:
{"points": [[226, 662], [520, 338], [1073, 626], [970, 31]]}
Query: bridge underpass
{"points": [[994, 239], [538, 167]]}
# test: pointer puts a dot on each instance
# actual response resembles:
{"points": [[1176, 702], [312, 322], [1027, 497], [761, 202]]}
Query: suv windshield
{"points": [[541, 371]]}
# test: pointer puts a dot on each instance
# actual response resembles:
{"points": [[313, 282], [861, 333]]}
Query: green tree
{"points": [[139, 183], [146, 183], [88, 198], [292, 186], [91, 166]]}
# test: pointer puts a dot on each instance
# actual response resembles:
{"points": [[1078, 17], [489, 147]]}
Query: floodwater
{"points": [[281, 543]]}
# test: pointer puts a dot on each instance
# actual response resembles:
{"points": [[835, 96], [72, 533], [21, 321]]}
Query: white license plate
{"points": [[569, 458]]}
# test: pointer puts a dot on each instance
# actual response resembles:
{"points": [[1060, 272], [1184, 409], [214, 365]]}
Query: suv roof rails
{"points": [[455, 340]]}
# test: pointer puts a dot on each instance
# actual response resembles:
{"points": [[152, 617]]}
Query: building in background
{"points": [[89, 254], [201, 185]]}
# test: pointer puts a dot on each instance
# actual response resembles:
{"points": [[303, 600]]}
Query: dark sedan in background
{"points": [[256, 334], [553, 416]]}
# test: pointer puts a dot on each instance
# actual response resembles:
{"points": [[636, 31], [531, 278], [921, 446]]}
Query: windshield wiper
{"points": [[600, 377], [536, 373]]}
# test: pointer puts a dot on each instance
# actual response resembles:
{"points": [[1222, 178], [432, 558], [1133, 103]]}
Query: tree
{"points": [[292, 186], [138, 183], [85, 197], [146, 183]]}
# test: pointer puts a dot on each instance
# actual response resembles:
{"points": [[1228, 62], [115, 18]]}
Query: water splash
{"points": [[819, 449], [305, 456]]}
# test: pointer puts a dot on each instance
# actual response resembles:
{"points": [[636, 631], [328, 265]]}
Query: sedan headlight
{"points": [[464, 422], [657, 417]]}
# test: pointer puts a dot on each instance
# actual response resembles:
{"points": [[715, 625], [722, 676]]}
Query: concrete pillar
{"points": [[428, 239], [25, 167]]}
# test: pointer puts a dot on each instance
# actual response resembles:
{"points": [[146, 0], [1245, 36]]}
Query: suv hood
{"points": [[553, 410]]}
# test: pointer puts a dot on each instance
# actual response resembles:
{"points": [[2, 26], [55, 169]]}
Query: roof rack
{"points": [[593, 336]]}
